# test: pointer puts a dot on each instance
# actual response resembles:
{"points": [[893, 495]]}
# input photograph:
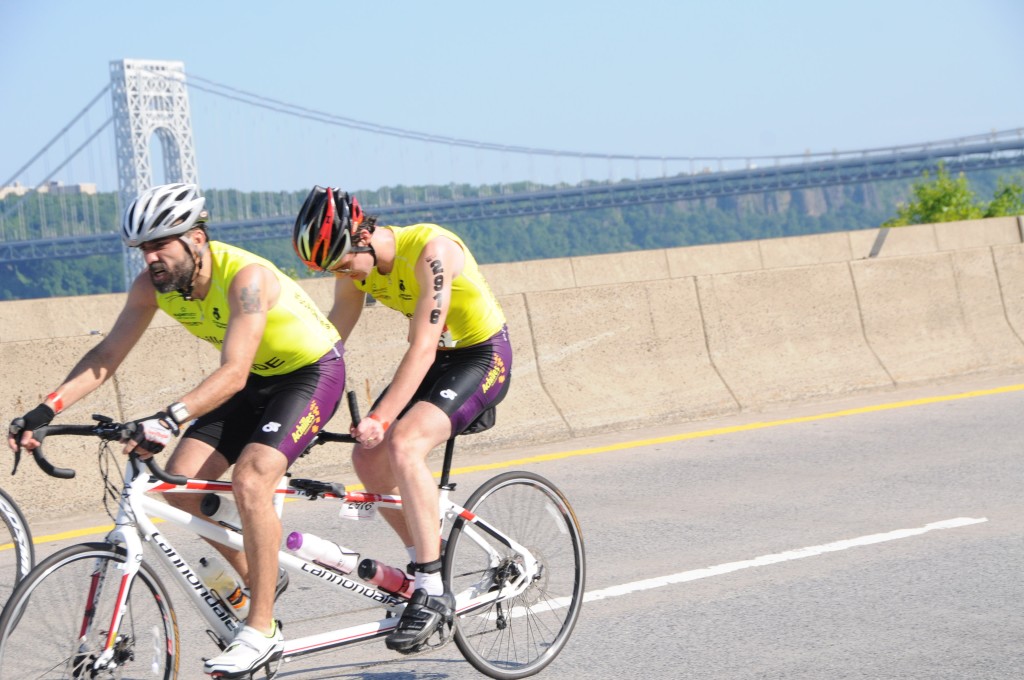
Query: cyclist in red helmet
{"points": [[456, 368]]}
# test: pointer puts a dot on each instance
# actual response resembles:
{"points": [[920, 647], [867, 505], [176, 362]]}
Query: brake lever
{"points": [[15, 429]]}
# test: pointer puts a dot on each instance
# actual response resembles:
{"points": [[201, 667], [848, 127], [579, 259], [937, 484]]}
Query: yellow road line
{"points": [[638, 443], [739, 428]]}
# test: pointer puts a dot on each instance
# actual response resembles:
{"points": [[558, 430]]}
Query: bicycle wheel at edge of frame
{"points": [[21, 541], [43, 620], [504, 640]]}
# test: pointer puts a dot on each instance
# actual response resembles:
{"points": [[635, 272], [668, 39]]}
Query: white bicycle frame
{"points": [[134, 525]]}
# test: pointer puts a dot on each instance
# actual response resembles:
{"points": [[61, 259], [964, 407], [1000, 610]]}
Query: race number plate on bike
{"points": [[358, 510]]}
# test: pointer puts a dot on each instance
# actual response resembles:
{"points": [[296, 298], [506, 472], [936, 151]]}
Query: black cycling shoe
{"points": [[423, 616]]}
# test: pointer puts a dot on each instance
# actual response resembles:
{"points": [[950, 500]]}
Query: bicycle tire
{"points": [[517, 637], [42, 623], [17, 556]]}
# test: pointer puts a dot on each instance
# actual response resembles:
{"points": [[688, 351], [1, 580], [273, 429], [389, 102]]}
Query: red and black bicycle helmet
{"points": [[325, 227]]}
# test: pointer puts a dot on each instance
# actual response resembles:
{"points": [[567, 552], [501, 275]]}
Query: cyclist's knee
{"points": [[246, 481], [413, 437], [408, 449], [258, 471]]}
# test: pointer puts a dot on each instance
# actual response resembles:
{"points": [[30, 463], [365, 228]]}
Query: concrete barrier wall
{"points": [[607, 342], [796, 331]]}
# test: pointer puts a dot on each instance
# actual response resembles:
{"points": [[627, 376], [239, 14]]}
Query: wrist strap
{"points": [[383, 423], [58, 401]]}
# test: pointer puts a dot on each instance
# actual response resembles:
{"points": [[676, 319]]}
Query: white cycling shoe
{"points": [[248, 652]]}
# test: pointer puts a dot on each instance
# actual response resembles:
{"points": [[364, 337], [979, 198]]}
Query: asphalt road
{"points": [[877, 537]]}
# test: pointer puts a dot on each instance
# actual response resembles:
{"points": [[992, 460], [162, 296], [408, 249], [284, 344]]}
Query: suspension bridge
{"points": [[148, 109]]}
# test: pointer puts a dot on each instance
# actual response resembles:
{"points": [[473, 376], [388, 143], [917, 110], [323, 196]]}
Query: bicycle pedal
{"points": [[216, 640], [271, 668], [443, 636]]}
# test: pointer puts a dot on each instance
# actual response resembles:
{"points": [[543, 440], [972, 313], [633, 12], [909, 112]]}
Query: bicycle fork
{"points": [[114, 646], [109, 657]]}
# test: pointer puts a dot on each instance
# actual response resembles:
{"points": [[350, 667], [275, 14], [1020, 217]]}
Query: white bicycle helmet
{"points": [[162, 211]]}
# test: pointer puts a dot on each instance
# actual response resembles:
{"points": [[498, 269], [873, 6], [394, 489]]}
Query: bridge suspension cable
{"points": [[58, 136], [63, 164], [780, 172], [254, 99]]}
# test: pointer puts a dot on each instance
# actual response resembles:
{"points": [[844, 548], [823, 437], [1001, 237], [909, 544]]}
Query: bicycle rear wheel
{"points": [[517, 637], [17, 554], [55, 623]]}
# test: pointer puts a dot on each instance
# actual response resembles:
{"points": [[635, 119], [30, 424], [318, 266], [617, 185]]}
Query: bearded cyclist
{"points": [[281, 373]]}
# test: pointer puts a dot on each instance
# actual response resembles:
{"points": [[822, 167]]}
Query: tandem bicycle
{"points": [[513, 557]]}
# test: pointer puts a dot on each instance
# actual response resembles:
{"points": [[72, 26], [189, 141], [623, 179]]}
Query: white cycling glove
{"points": [[153, 434]]}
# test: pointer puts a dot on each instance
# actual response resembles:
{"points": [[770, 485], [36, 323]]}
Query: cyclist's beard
{"points": [[177, 277]]}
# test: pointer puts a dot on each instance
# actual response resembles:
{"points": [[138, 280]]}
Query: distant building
{"points": [[54, 187], [87, 188], [18, 189]]}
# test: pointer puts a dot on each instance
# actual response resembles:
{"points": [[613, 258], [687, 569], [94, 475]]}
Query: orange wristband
{"points": [[383, 423], [58, 401]]}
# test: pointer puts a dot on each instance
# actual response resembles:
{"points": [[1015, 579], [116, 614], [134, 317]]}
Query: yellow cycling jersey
{"points": [[297, 333], [474, 314]]}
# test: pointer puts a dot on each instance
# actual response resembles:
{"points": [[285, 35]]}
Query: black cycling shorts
{"points": [[281, 411], [466, 381]]}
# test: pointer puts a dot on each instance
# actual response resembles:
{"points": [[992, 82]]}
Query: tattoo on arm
{"points": [[437, 269], [250, 298]]}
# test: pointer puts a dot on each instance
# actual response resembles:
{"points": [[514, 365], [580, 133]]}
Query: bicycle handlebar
{"points": [[353, 407], [105, 428]]}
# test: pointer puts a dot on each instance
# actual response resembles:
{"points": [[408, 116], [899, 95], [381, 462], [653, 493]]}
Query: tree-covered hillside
{"points": [[608, 230]]}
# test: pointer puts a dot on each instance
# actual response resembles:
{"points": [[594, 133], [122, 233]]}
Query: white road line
{"points": [[775, 558]]}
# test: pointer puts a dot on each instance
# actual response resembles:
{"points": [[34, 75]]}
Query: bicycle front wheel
{"points": [[17, 555], [518, 636], [56, 623]]}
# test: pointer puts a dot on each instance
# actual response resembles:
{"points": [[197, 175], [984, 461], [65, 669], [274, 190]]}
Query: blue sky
{"points": [[725, 78]]}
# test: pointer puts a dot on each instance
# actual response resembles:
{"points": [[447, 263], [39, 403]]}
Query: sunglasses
{"points": [[354, 250]]}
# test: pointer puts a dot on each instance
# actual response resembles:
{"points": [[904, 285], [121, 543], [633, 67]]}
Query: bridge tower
{"points": [[149, 97]]}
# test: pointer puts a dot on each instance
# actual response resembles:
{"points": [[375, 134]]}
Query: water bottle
{"points": [[387, 578], [323, 552], [225, 586], [221, 509]]}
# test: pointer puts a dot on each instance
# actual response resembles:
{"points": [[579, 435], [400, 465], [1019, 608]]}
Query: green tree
{"points": [[943, 199], [1007, 200]]}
